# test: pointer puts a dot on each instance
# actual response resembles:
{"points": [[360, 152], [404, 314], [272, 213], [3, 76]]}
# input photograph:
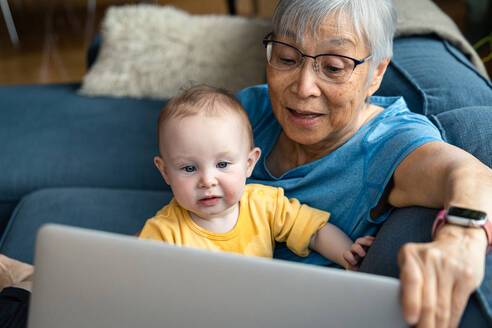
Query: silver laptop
{"points": [[87, 278]]}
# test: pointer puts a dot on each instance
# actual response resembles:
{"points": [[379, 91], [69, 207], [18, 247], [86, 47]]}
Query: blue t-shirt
{"points": [[349, 181]]}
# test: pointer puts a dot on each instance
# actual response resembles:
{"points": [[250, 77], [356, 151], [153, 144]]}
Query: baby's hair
{"points": [[203, 99]]}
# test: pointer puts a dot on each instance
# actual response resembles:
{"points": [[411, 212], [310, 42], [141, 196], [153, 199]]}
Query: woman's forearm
{"points": [[469, 184]]}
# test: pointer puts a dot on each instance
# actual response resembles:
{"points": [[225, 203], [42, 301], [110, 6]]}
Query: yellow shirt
{"points": [[265, 216]]}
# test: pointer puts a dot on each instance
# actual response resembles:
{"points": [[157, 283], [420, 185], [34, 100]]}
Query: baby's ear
{"points": [[253, 157], [159, 163]]}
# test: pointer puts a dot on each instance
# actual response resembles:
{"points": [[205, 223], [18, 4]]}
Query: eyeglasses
{"points": [[334, 68]]}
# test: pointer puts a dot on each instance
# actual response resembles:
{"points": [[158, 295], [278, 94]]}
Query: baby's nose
{"points": [[207, 180]]}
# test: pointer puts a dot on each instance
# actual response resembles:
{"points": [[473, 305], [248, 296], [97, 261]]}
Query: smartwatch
{"points": [[464, 217]]}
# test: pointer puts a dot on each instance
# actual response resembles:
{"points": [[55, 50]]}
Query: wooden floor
{"points": [[54, 34]]}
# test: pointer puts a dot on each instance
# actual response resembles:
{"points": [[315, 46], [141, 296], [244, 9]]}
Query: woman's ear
{"points": [[159, 163], [377, 77], [253, 157]]}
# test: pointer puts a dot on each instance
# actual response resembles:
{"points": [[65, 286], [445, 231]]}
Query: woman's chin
{"points": [[306, 137]]}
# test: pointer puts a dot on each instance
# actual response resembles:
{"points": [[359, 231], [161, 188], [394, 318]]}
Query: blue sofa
{"points": [[87, 161]]}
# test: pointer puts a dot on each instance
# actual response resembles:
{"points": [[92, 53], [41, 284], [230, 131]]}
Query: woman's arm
{"points": [[438, 277]]}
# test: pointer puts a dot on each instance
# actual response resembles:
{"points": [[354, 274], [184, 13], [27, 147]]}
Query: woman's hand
{"points": [[357, 252], [437, 278]]}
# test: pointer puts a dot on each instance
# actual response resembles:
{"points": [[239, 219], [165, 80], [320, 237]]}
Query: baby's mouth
{"points": [[209, 198]]}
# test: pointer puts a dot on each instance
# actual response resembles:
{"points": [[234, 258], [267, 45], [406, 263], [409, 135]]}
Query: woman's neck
{"points": [[287, 154]]}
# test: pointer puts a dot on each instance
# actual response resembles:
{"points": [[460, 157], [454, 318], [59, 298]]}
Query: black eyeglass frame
{"points": [[357, 62]]}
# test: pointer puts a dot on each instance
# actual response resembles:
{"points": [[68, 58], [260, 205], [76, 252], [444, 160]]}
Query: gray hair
{"points": [[374, 21]]}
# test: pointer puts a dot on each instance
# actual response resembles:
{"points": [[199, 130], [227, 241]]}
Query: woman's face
{"points": [[313, 111]]}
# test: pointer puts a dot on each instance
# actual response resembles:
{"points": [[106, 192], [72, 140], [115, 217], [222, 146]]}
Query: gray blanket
{"points": [[419, 17]]}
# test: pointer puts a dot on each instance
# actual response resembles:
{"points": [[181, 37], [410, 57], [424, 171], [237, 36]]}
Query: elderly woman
{"points": [[329, 142], [332, 145]]}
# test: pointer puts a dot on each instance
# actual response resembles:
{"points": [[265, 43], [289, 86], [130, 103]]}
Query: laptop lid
{"points": [[87, 278]]}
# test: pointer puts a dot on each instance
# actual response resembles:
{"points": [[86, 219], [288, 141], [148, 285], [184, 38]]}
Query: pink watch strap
{"points": [[438, 221], [488, 231], [441, 219]]}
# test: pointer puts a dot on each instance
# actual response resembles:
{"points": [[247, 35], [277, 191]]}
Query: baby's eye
{"points": [[222, 165], [189, 168]]}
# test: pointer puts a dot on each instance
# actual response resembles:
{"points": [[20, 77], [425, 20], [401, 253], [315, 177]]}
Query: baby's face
{"points": [[206, 160]]}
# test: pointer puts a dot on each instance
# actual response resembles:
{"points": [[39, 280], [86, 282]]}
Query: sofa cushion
{"points": [[469, 128], [146, 52], [114, 210], [53, 137], [441, 80]]}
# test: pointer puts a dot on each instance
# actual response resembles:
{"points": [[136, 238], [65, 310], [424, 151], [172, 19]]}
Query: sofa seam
{"points": [[435, 120], [414, 84], [450, 48]]}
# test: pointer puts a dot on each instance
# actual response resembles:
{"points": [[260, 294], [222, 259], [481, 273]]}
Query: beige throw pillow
{"points": [[154, 51]]}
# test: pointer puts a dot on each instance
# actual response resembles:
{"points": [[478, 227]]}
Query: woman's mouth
{"points": [[305, 119], [302, 114]]}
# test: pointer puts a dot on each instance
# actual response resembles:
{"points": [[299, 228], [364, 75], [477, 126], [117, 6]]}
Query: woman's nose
{"points": [[306, 84]]}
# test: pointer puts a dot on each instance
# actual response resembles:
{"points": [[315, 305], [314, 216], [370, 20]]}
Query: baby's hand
{"points": [[357, 252]]}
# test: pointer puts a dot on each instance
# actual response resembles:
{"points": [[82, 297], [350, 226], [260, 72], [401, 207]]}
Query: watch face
{"points": [[466, 213]]}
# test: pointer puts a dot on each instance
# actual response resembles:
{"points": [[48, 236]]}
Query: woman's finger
{"points": [[460, 295], [412, 282], [445, 284], [429, 289]]}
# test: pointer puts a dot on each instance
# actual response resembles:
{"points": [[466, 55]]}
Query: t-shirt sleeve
{"points": [[158, 227], [388, 143], [295, 223], [152, 230]]}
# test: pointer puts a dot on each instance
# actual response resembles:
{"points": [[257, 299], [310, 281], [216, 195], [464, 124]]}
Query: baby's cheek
{"points": [[234, 190], [233, 195]]}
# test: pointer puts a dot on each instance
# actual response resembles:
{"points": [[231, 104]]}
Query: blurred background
{"points": [[45, 41]]}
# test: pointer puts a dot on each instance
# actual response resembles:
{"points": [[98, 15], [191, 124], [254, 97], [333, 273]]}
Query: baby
{"points": [[207, 153]]}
